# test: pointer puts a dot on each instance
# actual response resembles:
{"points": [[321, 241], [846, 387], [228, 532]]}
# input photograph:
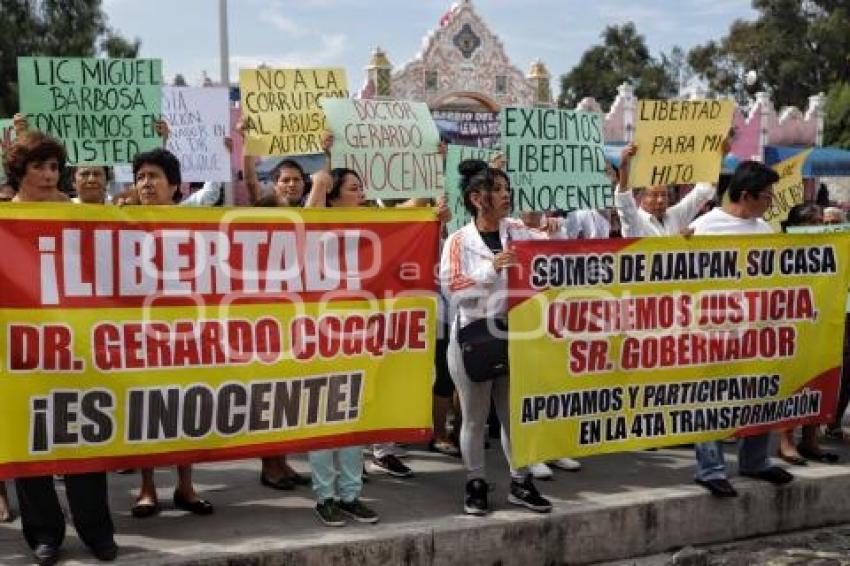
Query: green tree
{"points": [[797, 48], [56, 28], [676, 66], [622, 57], [837, 119], [113, 45]]}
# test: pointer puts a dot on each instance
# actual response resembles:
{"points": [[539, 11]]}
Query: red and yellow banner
{"points": [[621, 345], [155, 336]]}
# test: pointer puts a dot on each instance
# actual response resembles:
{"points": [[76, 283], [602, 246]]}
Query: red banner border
{"points": [[94, 464]]}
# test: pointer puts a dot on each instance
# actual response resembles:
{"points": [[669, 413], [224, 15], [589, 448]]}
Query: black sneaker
{"points": [[358, 511], [526, 494], [773, 474], [329, 513], [476, 498], [391, 465], [46, 554], [106, 551]]}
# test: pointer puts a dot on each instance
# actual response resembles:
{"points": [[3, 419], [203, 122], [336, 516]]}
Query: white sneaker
{"points": [[541, 471], [567, 464]]}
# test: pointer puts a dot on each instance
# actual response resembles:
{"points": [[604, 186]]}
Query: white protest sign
{"points": [[199, 120]]}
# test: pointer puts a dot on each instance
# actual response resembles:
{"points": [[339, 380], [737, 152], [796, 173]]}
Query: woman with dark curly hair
{"points": [[33, 165], [157, 178]]}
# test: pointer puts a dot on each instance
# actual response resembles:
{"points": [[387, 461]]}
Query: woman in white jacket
{"points": [[473, 274]]}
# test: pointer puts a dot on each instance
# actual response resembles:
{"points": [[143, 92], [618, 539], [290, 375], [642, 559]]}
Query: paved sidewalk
{"points": [[829, 546], [616, 506]]}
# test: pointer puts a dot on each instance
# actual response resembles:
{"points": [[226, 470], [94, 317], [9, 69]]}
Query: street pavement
{"points": [[817, 547], [250, 518]]}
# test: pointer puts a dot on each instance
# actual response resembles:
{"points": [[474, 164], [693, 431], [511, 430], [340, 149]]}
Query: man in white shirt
{"points": [[750, 195], [655, 216]]}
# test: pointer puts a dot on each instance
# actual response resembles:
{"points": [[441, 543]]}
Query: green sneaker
{"points": [[329, 513], [358, 511]]}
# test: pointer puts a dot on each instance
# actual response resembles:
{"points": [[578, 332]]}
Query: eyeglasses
{"points": [[761, 195]]}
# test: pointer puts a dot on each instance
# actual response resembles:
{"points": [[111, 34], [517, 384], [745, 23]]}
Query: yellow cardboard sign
{"points": [[679, 141], [281, 110], [788, 191], [630, 344]]}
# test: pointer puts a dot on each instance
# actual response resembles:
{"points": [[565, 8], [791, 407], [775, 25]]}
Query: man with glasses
{"points": [[750, 194]]}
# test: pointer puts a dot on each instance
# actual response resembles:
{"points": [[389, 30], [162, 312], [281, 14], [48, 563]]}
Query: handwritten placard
{"points": [[102, 109], [788, 191], [281, 108], [199, 121], [556, 159], [679, 141], [391, 144]]}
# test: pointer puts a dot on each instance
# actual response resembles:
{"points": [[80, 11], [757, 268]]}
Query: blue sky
{"points": [[184, 33]]}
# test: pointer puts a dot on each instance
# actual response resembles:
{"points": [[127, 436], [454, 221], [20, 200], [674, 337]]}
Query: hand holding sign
{"points": [[444, 215], [504, 259], [625, 162], [20, 124], [162, 130]]}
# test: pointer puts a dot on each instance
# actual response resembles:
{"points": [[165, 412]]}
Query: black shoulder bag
{"points": [[485, 356]]}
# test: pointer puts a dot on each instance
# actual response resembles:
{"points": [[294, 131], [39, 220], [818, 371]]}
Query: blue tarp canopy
{"points": [[821, 162]]}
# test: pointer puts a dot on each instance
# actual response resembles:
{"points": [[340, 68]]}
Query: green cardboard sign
{"points": [[556, 159], [7, 136], [104, 110], [391, 144]]}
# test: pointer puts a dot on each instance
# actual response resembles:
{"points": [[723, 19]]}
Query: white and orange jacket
{"points": [[470, 283]]}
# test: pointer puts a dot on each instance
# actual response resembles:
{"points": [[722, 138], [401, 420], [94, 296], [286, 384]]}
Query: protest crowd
{"points": [[470, 372]]}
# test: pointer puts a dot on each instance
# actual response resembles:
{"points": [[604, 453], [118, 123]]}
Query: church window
{"points": [[431, 80], [467, 41]]}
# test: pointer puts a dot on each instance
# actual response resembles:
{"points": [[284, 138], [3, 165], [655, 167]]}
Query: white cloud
{"points": [[274, 14], [328, 53], [716, 7], [284, 24]]}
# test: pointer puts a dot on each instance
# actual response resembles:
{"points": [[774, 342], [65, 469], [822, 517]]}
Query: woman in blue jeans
{"points": [[337, 472]]}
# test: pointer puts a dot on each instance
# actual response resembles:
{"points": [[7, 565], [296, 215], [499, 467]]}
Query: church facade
{"points": [[464, 74]]}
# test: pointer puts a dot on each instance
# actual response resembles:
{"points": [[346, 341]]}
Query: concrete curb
{"points": [[612, 527]]}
